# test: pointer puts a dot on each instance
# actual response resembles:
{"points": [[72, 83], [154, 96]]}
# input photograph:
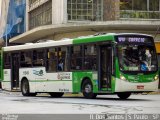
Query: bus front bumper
{"points": [[124, 86]]}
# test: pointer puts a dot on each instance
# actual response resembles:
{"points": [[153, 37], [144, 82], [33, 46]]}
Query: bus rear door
{"points": [[15, 71]]}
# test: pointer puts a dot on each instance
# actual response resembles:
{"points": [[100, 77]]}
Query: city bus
{"points": [[101, 64]]}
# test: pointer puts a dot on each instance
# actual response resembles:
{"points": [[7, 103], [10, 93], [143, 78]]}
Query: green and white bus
{"points": [[99, 64]]}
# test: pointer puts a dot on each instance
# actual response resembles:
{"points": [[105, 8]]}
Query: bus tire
{"points": [[87, 89], [25, 88], [123, 95], [56, 94]]}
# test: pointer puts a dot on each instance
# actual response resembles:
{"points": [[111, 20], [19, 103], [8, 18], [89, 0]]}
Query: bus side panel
{"points": [[78, 77], [54, 86], [113, 82], [40, 81], [27, 73], [6, 83], [116, 75]]}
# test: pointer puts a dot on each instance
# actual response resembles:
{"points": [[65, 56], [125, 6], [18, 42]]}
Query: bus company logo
{"points": [[38, 72], [6, 72], [65, 76], [59, 76]]}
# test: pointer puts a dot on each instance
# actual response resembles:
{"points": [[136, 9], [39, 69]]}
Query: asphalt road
{"points": [[15, 103]]}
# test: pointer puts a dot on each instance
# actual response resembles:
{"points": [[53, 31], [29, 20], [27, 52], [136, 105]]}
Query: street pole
{"points": [[6, 37], [6, 24]]}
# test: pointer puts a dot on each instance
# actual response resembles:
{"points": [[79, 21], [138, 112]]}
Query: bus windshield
{"points": [[138, 58]]}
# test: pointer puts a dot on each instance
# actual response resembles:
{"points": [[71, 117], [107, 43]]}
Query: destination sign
{"points": [[131, 39], [134, 39]]}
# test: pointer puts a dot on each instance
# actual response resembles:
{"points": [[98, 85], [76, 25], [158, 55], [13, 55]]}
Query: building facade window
{"points": [[32, 1], [154, 5], [139, 5], [144, 9], [146, 5], [80, 10], [42, 15]]}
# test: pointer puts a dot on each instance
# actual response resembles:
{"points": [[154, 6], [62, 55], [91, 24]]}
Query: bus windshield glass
{"points": [[140, 57]]}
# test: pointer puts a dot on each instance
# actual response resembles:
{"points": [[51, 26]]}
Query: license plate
{"points": [[140, 86]]}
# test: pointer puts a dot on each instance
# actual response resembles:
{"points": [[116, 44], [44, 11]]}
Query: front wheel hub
{"points": [[88, 88]]}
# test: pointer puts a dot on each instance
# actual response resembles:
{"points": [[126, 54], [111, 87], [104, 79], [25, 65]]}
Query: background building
{"points": [[58, 19], [12, 22]]}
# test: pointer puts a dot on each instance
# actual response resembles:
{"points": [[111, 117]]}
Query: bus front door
{"points": [[15, 71], [105, 67]]}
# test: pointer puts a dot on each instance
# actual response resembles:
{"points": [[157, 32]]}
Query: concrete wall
{"points": [[111, 10], [3, 17], [59, 11], [27, 15], [72, 35]]}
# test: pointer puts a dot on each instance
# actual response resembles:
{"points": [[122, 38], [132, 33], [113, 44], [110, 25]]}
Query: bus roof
{"points": [[38, 45], [79, 40]]}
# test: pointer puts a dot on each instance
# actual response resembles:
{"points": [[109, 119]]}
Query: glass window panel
{"points": [[62, 59], [79, 9], [7, 59], [139, 4], [26, 59], [41, 15], [154, 5], [38, 57], [76, 58], [52, 59], [125, 4], [90, 59]]}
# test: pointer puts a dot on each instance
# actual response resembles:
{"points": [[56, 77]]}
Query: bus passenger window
{"points": [[63, 59], [52, 59], [25, 59], [90, 59], [38, 57], [76, 58], [60, 65], [7, 61]]}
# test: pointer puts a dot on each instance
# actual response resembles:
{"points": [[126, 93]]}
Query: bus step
{"points": [[16, 90]]}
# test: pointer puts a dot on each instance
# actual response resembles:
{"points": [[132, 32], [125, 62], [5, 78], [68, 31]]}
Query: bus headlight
{"points": [[156, 77], [122, 77]]}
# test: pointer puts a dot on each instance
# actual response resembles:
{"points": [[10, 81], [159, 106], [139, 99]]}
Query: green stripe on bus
{"points": [[92, 39], [50, 80], [5, 81]]}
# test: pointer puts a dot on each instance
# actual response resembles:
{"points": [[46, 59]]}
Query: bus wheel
{"points": [[123, 95], [87, 89], [56, 94], [25, 89]]}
